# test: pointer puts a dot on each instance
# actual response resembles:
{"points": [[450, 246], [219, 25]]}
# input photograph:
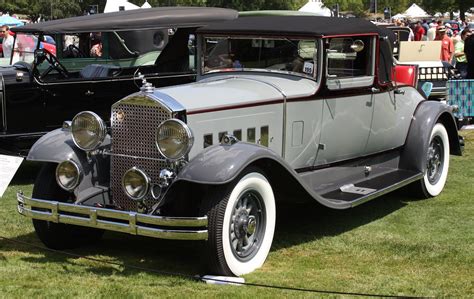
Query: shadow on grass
{"points": [[162, 256], [306, 222], [296, 224]]}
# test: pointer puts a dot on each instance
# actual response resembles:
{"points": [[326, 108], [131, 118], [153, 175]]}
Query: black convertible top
{"points": [[158, 17], [293, 25]]}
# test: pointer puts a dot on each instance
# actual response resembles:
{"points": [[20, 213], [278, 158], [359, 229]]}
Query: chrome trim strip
{"points": [[111, 80], [173, 105], [129, 222], [4, 104], [34, 134], [110, 153]]}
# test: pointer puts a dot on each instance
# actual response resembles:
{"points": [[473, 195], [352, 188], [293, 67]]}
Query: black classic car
{"points": [[96, 59], [283, 107]]}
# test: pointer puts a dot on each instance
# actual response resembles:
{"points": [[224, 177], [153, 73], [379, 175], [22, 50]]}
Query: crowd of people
{"points": [[457, 42]]}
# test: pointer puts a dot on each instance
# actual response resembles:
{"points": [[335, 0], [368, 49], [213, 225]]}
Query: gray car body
{"points": [[220, 164], [384, 129]]}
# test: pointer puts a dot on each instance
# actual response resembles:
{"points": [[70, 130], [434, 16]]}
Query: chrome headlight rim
{"points": [[147, 183], [78, 179], [189, 134], [102, 130]]}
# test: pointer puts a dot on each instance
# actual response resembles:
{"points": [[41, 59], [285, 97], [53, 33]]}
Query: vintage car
{"points": [[283, 108], [41, 88]]}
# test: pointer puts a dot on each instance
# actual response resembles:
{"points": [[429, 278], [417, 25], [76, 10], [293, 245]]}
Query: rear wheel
{"points": [[241, 225], [437, 163], [58, 235]]}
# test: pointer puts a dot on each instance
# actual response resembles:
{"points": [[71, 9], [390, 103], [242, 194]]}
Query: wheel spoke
{"points": [[245, 241]]}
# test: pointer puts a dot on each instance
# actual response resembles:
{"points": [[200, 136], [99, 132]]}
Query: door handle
{"points": [[399, 91], [89, 93]]}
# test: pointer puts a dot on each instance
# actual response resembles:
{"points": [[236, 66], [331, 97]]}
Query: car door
{"points": [[348, 98]]}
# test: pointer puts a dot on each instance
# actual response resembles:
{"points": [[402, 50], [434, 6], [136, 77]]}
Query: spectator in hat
{"points": [[459, 55], [447, 46]]}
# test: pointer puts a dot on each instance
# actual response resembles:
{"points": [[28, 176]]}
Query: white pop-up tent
{"points": [[146, 5], [415, 12], [317, 7], [116, 5]]}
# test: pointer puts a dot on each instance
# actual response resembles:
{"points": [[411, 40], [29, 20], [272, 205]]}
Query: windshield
{"points": [[296, 56], [24, 48]]}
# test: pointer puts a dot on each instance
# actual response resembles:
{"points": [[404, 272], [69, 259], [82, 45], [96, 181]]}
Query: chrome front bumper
{"points": [[183, 228]]}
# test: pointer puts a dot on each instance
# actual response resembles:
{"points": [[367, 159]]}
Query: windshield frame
{"points": [[36, 36], [317, 57]]}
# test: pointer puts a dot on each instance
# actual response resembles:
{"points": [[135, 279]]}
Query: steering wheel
{"points": [[43, 54], [75, 51]]}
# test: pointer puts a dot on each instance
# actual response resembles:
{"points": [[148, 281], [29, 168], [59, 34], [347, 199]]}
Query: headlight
{"points": [[174, 139], [135, 183], [88, 130], [68, 175]]}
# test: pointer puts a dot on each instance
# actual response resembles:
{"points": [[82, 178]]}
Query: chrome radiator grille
{"points": [[134, 122]]}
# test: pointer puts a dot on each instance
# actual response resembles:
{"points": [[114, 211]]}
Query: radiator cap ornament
{"points": [[146, 86]]}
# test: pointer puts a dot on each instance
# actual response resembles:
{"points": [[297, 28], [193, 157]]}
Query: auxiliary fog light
{"points": [[135, 183], [68, 175]]}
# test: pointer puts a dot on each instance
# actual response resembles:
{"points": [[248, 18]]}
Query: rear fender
{"points": [[427, 115]]}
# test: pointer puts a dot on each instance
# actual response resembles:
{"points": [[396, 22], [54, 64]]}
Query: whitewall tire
{"points": [[241, 225], [437, 162]]}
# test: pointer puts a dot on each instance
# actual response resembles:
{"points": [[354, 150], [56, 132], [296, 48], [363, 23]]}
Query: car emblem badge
{"points": [[120, 115]]}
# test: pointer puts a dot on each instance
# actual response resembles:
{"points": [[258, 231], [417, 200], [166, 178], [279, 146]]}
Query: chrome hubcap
{"points": [[247, 225], [435, 160]]}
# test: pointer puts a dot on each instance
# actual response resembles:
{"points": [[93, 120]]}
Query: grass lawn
{"points": [[394, 245]]}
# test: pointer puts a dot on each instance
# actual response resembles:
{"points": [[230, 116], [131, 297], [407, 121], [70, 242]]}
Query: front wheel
{"points": [[437, 163], [241, 225]]}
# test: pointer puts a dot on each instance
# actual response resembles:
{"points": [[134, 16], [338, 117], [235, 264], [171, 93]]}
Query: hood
{"points": [[237, 89]]}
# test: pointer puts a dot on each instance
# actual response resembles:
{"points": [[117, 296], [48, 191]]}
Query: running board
{"points": [[356, 194]]}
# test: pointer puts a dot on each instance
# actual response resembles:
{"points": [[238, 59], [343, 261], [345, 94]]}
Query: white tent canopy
{"points": [[316, 6], [114, 5], [414, 11], [146, 4], [398, 16]]}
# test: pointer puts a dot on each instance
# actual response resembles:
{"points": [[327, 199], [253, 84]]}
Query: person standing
{"points": [[431, 34], [425, 26], [419, 31], [469, 52], [460, 56], [447, 46], [7, 43]]}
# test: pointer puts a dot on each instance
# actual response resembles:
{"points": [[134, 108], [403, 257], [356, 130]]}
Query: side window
{"points": [[82, 45], [350, 57]]}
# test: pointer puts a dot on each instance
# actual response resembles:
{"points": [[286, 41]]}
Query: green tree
{"points": [[434, 6]]}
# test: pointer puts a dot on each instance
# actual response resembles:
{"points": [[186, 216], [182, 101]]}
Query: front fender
{"points": [[427, 114], [220, 164], [56, 146]]}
